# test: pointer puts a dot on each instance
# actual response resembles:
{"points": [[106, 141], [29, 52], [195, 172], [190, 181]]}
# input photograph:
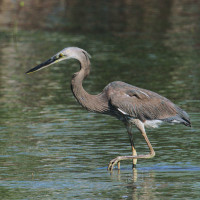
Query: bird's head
{"points": [[67, 53]]}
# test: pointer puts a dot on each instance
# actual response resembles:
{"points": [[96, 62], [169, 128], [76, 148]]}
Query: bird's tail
{"points": [[181, 118], [185, 119]]}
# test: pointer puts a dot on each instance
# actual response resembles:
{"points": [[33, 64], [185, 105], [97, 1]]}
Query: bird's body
{"points": [[130, 102], [132, 105]]}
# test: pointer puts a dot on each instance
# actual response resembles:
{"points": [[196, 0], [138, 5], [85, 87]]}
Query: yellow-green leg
{"points": [[140, 126]]}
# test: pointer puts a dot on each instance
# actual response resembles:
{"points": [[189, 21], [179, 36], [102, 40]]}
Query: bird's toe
{"points": [[113, 162]]}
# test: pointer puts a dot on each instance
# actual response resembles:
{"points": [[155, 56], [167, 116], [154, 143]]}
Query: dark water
{"points": [[53, 149]]}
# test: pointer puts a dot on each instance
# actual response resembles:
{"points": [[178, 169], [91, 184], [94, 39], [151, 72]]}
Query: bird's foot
{"points": [[117, 161], [119, 158], [113, 162]]}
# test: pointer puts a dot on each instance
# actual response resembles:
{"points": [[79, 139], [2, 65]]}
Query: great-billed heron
{"points": [[132, 105]]}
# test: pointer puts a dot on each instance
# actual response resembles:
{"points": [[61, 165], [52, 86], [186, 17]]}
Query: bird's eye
{"points": [[60, 55]]}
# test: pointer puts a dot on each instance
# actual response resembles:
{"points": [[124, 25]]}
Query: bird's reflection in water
{"points": [[119, 173], [140, 184]]}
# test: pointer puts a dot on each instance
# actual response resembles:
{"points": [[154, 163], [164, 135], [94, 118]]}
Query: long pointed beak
{"points": [[47, 63]]}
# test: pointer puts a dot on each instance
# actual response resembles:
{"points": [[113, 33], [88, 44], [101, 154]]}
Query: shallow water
{"points": [[53, 149]]}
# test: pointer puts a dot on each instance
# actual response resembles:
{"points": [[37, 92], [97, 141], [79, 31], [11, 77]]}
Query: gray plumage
{"points": [[143, 104]]}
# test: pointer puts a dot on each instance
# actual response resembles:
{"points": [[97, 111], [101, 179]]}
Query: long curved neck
{"points": [[95, 103]]}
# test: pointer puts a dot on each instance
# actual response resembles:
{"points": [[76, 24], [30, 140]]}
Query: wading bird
{"points": [[130, 104]]}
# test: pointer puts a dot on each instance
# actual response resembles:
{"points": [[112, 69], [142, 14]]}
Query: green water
{"points": [[53, 149]]}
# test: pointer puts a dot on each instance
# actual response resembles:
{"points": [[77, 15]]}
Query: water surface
{"points": [[53, 149]]}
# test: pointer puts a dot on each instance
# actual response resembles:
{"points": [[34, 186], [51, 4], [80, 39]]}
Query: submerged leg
{"points": [[140, 126]]}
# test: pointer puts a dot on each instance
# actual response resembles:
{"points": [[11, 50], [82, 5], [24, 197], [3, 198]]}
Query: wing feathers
{"points": [[140, 103]]}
